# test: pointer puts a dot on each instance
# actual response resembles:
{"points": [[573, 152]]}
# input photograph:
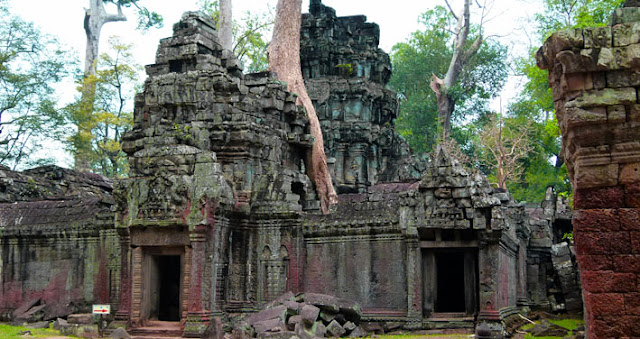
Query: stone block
{"points": [[357, 333], [327, 316], [292, 306], [595, 262], [609, 303], [24, 307], [277, 312], [635, 242], [59, 323], [608, 282], [121, 333], [626, 34], [623, 78], [627, 263], [629, 218], [625, 15], [597, 37], [596, 220], [605, 329], [38, 324], [349, 326], [616, 114], [292, 321], [577, 82], [80, 319], [592, 198], [604, 97], [630, 173], [632, 303], [591, 243], [277, 335], [334, 329], [271, 325], [575, 116], [309, 314], [632, 195]]}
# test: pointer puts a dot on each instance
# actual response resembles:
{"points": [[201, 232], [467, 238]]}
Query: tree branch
{"points": [[451, 10]]}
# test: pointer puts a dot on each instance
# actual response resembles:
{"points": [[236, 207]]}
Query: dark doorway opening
{"points": [[451, 291], [169, 280]]}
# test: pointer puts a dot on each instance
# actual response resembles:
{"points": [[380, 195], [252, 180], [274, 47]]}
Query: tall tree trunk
{"points": [[226, 25], [284, 60], [94, 18], [460, 57]]}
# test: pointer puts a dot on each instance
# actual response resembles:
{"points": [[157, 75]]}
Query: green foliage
{"points": [[15, 332], [31, 65], [146, 18], [250, 35], [562, 14], [114, 83], [346, 69], [534, 105], [429, 51]]}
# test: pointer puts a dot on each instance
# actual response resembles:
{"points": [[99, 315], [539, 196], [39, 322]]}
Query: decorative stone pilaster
{"points": [[594, 73], [414, 283], [197, 318], [121, 318], [488, 265]]}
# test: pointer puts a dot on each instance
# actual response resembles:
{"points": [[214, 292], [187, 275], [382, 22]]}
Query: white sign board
{"points": [[101, 309]]}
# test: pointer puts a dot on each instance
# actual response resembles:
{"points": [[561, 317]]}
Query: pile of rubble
{"points": [[305, 315]]}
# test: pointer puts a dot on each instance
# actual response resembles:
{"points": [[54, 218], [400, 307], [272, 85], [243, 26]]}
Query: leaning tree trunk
{"points": [[226, 29], [284, 60], [460, 57], [94, 18]]}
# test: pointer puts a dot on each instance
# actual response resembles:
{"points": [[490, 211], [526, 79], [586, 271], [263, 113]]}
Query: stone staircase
{"points": [[157, 329]]}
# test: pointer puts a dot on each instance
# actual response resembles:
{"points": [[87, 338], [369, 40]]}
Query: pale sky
{"points": [[509, 21]]}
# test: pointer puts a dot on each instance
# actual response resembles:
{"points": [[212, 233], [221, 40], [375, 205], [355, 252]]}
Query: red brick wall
{"points": [[595, 76]]}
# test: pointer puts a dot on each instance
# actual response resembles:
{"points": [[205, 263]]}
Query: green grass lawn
{"points": [[569, 324], [7, 332], [413, 336]]}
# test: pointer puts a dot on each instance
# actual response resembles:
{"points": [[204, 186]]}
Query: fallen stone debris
{"points": [[305, 315]]}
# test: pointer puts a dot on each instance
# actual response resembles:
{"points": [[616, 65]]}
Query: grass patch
{"points": [[413, 336], [9, 332], [570, 324]]}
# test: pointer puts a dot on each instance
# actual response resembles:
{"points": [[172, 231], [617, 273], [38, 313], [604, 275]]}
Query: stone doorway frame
{"points": [[428, 252], [142, 271]]}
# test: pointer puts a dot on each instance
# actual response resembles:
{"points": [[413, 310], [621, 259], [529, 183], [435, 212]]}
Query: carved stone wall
{"points": [[345, 73], [217, 178], [594, 76], [58, 246]]}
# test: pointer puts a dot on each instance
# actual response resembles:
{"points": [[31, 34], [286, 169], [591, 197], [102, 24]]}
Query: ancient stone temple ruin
{"points": [[217, 216], [594, 75]]}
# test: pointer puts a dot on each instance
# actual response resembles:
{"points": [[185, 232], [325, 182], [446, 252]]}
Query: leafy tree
{"points": [[249, 36], [428, 52], [31, 64], [95, 17], [115, 86], [534, 105]]}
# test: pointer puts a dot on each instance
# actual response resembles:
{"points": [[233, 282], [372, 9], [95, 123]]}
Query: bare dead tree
{"points": [[503, 149], [284, 60], [226, 25], [461, 56]]}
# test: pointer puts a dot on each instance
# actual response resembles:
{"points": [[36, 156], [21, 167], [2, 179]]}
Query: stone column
{"points": [[521, 267], [595, 76], [121, 318], [197, 317], [488, 266], [414, 283]]}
